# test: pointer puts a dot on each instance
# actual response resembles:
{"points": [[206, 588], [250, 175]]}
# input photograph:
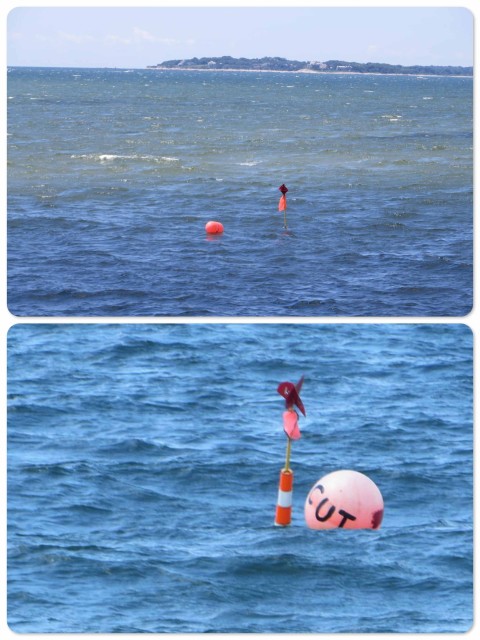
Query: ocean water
{"points": [[113, 174], [143, 466]]}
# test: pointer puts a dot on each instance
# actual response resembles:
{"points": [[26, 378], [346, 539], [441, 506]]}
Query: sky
{"points": [[128, 37]]}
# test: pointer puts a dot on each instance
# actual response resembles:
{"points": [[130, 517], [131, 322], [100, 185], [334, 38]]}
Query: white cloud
{"points": [[75, 38], [113, 39], [140, 34]]}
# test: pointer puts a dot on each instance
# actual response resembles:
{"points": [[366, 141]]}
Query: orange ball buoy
{"points": [[214, 227]]}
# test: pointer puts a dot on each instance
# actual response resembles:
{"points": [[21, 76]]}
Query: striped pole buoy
{"points": [[290, 391], [283, 513]]}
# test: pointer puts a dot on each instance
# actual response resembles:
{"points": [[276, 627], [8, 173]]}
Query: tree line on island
{"points": [[282, 64]]}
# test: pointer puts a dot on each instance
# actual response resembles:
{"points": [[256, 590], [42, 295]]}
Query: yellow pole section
{"points": [[289, 451]]}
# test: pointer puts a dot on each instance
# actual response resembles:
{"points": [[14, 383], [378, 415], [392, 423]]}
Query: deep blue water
{"points": [[113, 174], [143, 464]]}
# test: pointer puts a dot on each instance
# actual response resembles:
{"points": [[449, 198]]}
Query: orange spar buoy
{"points": [[214, 227], [283, 513]]}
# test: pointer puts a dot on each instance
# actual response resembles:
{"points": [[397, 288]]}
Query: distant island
{"points": [[227, 63]]}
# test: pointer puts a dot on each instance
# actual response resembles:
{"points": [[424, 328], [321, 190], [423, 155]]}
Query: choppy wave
{"points": [[110, 157], [148, 166], [143, 463]]}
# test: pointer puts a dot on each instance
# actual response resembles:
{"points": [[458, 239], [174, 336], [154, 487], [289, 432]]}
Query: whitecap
{"points": [[111, 157], [108, 156]]}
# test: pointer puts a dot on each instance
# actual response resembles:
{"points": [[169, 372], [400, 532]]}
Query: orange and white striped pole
{"points": [[283, 512]]}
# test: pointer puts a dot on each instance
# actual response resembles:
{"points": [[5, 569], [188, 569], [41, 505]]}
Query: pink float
{"points": [[344, 500], [290, 424], [214, 227]]}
